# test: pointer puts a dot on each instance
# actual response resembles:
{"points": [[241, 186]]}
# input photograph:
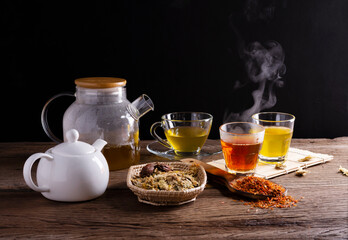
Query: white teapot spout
{"points": [[99, 144]]}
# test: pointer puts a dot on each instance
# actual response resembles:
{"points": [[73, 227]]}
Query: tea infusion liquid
{"points": [[276, 142], [241, 157], [122, 156], [187, 139]]}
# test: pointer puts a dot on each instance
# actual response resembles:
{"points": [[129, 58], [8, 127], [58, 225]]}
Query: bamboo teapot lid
{"points": [[100, 82]]}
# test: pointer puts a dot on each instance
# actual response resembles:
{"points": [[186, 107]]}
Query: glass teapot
{"points": [[102, 111]]}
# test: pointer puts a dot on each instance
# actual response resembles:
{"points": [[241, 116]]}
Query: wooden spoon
{"points": [[223, 177]]}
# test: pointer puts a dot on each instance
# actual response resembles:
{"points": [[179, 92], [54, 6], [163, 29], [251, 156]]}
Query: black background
{"points": [[182, 53]]}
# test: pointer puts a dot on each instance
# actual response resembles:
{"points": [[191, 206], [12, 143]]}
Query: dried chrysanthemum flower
{"points": [[280, 165], [305, 159], [301, 172], [343, 170]]}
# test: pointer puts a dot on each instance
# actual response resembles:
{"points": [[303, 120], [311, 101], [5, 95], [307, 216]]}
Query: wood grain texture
{"points": [[216, 214]]}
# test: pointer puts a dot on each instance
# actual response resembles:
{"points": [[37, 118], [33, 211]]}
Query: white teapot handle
{"points": [[27, 171]]}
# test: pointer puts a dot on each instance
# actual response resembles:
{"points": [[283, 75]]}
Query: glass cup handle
{"points": [[158, 138], [44, 112]]}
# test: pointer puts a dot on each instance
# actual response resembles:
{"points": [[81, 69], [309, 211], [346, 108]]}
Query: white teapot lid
{"points": [[72, 146]]}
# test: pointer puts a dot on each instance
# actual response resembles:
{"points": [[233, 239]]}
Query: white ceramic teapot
{"points": [[71, 171]]}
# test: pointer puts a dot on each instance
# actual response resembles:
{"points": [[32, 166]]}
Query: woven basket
{"points": [[162, 197]]}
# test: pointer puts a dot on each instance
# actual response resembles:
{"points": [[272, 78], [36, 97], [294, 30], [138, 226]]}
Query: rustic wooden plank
{"points": [[118, 211], [216, 214]]}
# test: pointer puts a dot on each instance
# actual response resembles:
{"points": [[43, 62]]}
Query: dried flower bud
{"points": [[301, 172], [280, 166], [147, 170], [305, 159], [343, 170], [163, 168]]}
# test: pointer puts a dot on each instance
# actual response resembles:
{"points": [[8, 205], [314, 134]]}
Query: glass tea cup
{"points": [[241, 143], [278, 133], [186, 132]]}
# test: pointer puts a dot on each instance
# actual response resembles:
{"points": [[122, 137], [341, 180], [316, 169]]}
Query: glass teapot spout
{"points": [[140, 107]]}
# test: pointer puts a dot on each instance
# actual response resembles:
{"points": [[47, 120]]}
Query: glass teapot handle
{"points": [[44, 112]]}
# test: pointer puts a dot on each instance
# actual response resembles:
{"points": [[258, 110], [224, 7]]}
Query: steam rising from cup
{"points": [[264, 64]]}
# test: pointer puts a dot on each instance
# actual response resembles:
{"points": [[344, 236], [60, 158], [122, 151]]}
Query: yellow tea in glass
{"points": [[276, 142], [186, 139], [278, 134], [186, 132]]}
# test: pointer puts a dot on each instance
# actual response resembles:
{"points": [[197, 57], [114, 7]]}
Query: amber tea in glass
{"points": [[241, 143], [241, 157]]}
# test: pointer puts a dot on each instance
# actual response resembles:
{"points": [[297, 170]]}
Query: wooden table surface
{"points": [[216, 214]]}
